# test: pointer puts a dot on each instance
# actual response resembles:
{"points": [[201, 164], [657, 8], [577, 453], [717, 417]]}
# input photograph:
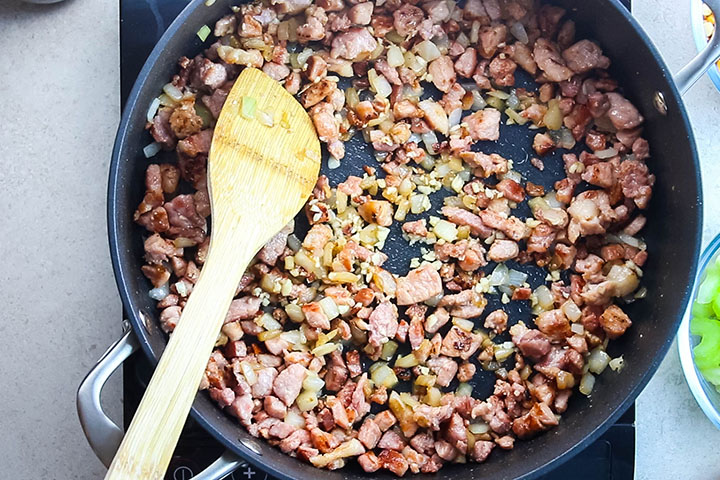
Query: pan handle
{"points": [[104, 435], [704, 60]]}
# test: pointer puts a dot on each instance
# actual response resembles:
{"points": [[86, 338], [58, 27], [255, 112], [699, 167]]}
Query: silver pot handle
{"points": [[704, 60], [104, 435]]}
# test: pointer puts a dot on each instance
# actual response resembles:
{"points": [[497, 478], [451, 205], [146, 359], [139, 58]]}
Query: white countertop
{"points": [[60, 310]]}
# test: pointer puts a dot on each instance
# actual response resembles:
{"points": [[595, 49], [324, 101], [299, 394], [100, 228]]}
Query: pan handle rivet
{"points": [[659, 103]]}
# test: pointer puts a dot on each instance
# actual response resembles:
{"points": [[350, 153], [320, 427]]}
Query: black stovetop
{"points": [[142, 23]]}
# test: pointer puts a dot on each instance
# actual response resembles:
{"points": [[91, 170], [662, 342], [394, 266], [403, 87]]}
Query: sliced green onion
{"points": [[248, 107], [203, 32]]}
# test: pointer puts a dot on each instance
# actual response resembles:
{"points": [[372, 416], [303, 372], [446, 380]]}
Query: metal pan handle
{"points": [[104, 435], [704, 60]]}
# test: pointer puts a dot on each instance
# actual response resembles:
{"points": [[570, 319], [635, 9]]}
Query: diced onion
{"points": [[329, 307], [385, 376], [587, 382], [268, 335], [172, 91], [269, 323], [478, 101], [248, 107], [463, 324], [379, 84], [395, 56], [607, 153], [571, 311], [500, 275], [160, 292], [464, 390], [598, 361], [324, 349], [518, 31], [151, 149], [516, 278], [295, 419], [503, 352], [426, 380], [430, 140], [427, 50], [408, 361], [248, 373], [388, 350], [544, 297], [152, 109], [313, 382], [455, 117], [307, 400], [616, 364], [303, 56], [479, 428], [294, 312], [446, 230]]}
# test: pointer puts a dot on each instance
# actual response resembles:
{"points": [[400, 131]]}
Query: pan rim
{"points": [[117, 252]]}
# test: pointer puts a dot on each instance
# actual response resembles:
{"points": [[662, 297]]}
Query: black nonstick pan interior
{"points": [[672, 234]]}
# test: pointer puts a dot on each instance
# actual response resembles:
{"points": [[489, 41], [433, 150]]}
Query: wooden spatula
{"points": [[259, 177]]}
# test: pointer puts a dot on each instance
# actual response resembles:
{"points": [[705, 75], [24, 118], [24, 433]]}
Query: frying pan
{"points": [[672, 234]]}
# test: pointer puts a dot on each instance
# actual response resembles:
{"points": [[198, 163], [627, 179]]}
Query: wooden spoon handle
{"points": [[149, 443]]}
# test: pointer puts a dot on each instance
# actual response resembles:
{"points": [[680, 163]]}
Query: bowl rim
{"points": [[699, 387], [698, 32]]}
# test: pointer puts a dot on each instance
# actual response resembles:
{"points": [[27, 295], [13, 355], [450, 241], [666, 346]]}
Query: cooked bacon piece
{"points": [[243, 308], [496, 320], [538, 419], [369, 433], [276, 245], [419, 285], [523, 56], [636, 182], [288, 383], [417, 228], [585, 56], [461, 216], [565, 359], [377, 211], [361, 14], [490, 39], [484, 124], [383, 323], [369, 462], [466, 63], [532, 343], [511, 190], [550, 61], [554, 324], [502, 250], [466, 304], [459, 343], [482, 450], [315, 316], [470, 254], [502, 71], [622, 113], [406, 19], [445, 369], [443, 73], [601, 174], [513, 227], [614, 321]]}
